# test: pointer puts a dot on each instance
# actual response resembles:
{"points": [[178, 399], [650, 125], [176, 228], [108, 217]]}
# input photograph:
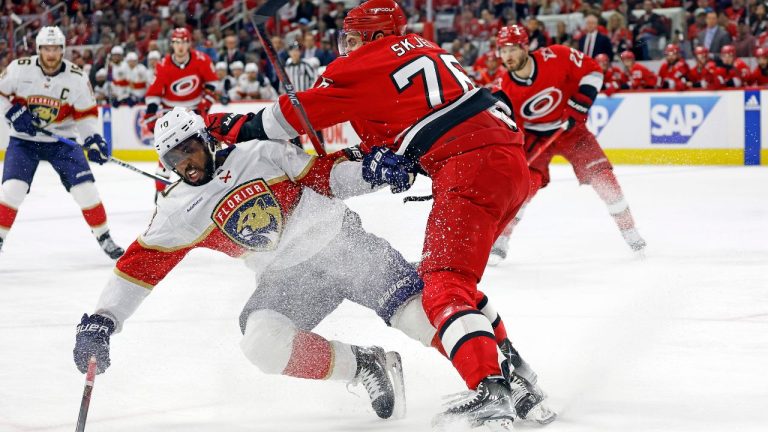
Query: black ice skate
{"points": [[498, 251], [1, 244], [372, 372], [491, 405], [109, 247], [528, 397]]}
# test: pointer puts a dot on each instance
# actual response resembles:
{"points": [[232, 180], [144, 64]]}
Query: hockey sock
{"points": [[314, 357], [13, 194], [7, 216], [499, 331], [87, 197], [607, 187]]}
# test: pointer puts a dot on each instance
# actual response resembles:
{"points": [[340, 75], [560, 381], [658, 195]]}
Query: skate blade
{"points": [[540, 415], [494, 260], [501, 425], [395, 372]]}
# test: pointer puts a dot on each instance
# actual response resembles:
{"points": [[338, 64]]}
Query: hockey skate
{"points": [[527, 395], [1, 244], [498, 251], [109, 247], [490, 405], [381, 375], [634, 241]]}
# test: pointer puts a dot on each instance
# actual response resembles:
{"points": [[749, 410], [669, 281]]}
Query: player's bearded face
{"points": [[50, 56], [514, 57], [191, 161], [762, 61]]}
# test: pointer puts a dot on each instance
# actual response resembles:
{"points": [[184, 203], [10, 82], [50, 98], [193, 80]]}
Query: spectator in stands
{"points": [[621, 37], [537, 38], [305, 9], [593, 42], [758, 22], [205, 45], [699, 24], [736, 12], [562, 37], [714, 37], [311, 53], [231, 52], [469, 52], [728, 25], [522, 10], [745, 43], [490, 24], [648, 29]]}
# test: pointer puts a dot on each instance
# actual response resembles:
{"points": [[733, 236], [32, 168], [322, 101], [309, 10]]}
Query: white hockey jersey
{"points": [[138, 80], [269, 203], [64, 103], [252, 89], [121, 82]]}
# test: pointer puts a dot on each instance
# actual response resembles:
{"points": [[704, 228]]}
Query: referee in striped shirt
{"points": [[302, 74]]}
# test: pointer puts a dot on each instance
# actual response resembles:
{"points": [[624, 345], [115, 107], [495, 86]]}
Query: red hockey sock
{"points": [[95, 217], [7, 216], [311, 357], [607, 187]]}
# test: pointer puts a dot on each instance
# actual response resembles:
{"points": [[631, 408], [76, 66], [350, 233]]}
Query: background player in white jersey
{"points": [[137, 78], [118, 75], [253, 85], [46, 91]]}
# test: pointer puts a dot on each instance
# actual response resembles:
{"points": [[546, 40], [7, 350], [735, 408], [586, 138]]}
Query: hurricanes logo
{"points": [[45, 108], [250, 216], [542, 103], [185, 86]]}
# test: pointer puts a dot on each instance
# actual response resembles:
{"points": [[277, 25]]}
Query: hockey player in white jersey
{"points": [[46, 91], [253, 85], [138, 79]]}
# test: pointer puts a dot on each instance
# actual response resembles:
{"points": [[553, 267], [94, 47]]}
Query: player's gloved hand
{"points": [[225, 127], [576, 110], [22, 119], [92, 339], [206, 102], [382, 165], [97, 149], [150, 116]]}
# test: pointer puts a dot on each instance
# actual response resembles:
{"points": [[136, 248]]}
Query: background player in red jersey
{"points": [[674, 70], [705, 74], [415, 109], [614, 79], [736, 70], [640, 77], [184, 78], [759, 75], [491, 74], [547, 88]]}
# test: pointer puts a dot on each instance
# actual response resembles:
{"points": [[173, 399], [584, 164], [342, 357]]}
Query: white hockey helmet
{"points": [[117, 50], [131, 56], [221, 65], [177, 127], [153, 55], [251, 67], [50, 35], [236, 65]]}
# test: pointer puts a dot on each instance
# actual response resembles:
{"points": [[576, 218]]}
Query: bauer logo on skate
{"points": [[250, 216], [674, 120]]}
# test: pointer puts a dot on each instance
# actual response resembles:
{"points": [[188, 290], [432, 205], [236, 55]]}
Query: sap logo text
{"points": [[601, 112], [674, 120]]}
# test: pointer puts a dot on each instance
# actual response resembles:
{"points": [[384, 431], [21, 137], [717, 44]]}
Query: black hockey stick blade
{"points": [[417, 198], [267, 11], [90, 377]]}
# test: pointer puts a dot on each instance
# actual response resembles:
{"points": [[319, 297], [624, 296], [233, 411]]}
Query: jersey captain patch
{"points": [[250, 216]]}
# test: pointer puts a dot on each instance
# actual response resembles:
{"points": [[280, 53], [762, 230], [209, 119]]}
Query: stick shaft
{"points": [[542, 148], [90, 377]]}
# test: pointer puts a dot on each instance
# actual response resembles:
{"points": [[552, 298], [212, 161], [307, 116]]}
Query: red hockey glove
{"points": [[150, 117], [576, 110], [206, 103], [225, 127]]}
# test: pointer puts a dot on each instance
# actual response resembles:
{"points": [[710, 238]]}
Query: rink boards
{"points": [[690, 128]]}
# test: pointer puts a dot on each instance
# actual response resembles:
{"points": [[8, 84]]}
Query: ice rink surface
{"points": [[672, 343]]}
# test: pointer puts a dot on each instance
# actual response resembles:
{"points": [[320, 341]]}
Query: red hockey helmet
{"points": [[728, 49], [672, 49], [761, 52], [376, 17], [627, 55], [602, 59], [512, 35], [181, 33], [701, 50]]}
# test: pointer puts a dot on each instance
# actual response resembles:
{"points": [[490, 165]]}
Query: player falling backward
{"points": [[416, 110], [546, 88], [45, 91], [281, 211]]}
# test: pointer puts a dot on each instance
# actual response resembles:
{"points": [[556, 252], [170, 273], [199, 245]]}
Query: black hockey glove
{"points": [[92, 339], [22, 119], [97, 149], [382, 165]]}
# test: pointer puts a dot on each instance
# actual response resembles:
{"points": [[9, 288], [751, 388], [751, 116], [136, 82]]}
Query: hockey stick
{"points": [[539, 150], [110, 158], [90, 377], [262, 14]]}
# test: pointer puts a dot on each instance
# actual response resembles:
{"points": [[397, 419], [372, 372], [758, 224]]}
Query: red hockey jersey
{"points": [[759, 77], [707, 76], [614, 79], [674, 76], [737, 74], [559, 72], [181, 85], [640, 77]]}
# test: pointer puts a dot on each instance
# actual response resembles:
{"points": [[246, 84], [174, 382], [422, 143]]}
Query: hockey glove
{"points": [[92, 339], [97, 149], [382, 165], [576, 110], [150, 117], [206, 102], [22, 119], [225, 127]]}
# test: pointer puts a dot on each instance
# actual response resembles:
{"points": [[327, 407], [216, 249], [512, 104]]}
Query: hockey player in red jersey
{"points": [[705, 74], [184, 78], [736, 70], [491, 74], [614, 79], [415, 109], [759, 76], [674, 71], [548, 89], [640, 77]]}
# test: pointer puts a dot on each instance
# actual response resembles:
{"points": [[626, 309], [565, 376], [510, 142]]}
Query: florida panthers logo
{"points": [[250, 216], [542, 103], [185, 86], [45, 108]]}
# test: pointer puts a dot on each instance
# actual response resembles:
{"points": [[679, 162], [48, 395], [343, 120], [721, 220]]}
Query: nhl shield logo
{"points": [[45, 108], [250, 216]]}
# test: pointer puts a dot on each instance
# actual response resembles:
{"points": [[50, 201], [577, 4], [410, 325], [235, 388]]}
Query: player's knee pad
{"points": [[411, 319], [85, 194], [13, 192], [268, 340]]}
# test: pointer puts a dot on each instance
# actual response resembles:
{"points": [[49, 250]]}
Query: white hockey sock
{"points": [[344, 365]]}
